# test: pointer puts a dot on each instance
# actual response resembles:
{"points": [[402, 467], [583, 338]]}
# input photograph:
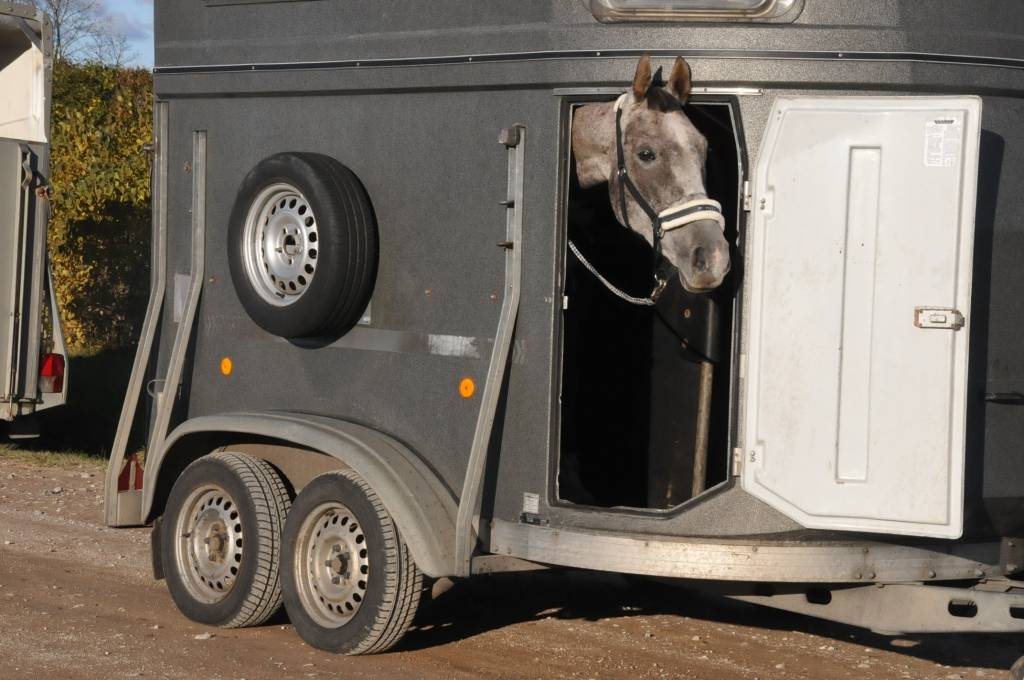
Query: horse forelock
{"points": [[661, 100]]}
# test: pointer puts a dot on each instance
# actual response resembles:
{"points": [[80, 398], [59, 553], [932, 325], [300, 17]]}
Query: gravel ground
{"points": [[77, 600]]}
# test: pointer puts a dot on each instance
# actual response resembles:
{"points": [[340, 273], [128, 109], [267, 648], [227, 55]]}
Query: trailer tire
{"points": [[1017, 670], [340, 517], [219, 573], [303, 246]]}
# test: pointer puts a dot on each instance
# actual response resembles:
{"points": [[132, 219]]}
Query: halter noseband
{"points": [[675, 216]]}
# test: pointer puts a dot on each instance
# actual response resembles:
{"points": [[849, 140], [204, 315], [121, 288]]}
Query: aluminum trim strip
{"points": [[554, 55], [748, 560]]}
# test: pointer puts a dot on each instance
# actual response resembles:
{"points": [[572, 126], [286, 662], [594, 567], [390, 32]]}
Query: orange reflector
{"points": [[226, 366], [467, 388]]}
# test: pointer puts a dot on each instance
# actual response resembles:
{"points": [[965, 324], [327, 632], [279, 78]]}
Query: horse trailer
{"points": [[716, 290], [32, 365]]}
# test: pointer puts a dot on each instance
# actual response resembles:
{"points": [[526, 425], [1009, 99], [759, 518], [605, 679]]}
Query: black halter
{"points": [[626, 183]]}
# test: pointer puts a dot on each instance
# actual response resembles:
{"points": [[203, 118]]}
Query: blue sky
{"points": [[134, 20]]}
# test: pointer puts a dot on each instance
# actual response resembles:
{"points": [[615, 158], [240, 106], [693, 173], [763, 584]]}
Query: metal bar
{"points": [[12, 178], [21, 283], [700, 449], [778, 561], [364, 63], [616, 91], [905, 608], [36, 266], [175, 368], [167, 397], [467, 522], [157, 288]]}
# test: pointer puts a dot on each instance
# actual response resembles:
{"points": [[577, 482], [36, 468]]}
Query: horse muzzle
{"points": [[700, 254]]}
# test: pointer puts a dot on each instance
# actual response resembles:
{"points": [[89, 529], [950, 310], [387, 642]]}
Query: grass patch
{"points": [[57, 459]]}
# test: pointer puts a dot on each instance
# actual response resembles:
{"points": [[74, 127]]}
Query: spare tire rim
{"points": [[209, 543], [280, 244], [332, 565]]}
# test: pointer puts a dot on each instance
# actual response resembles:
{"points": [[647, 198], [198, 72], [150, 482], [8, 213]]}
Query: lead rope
{"points": [[649, 301]]}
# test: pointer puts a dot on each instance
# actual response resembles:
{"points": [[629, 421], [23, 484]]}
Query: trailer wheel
{"points": [[1017, 670], [350, 584], [302, 246], [221, 540]]}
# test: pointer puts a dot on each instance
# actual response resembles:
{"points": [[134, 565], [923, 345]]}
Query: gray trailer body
{"points": [[25, 67], [413, 100]]}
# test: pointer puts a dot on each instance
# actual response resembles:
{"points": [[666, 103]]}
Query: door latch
{"points": [[938, 317]]}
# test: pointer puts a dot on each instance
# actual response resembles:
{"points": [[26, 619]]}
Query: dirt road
{"points": [[77, 600]]}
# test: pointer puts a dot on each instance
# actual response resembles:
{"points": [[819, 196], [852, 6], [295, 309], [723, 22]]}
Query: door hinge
{"points": [[747, 197], [938, 317], [736, 465]]}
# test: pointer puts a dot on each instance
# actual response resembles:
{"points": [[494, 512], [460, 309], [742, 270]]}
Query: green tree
{"points": [[99, 227]]}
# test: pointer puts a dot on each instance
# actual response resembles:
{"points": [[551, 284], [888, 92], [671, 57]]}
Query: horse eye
{"points": [[646, 155]]}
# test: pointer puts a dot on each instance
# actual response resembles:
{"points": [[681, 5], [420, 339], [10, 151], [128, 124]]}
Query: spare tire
{"points": [[302, 246]]}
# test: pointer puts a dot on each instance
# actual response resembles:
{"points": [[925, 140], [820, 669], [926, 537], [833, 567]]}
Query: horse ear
{"points": [[642, 78], [679, 83]]}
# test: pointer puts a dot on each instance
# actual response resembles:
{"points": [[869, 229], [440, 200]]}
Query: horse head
{"points": [[654, 146]]}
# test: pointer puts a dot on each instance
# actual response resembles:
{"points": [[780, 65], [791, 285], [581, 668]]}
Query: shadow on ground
{"points": [[96, 387], [486, 603]]}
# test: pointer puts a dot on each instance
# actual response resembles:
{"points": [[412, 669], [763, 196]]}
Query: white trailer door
{"points": [[859, 290], [24, 116]]}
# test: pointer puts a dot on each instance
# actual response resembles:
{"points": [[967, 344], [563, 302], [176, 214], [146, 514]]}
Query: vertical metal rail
{"points": [[14, 323], [157, 287], [33, 301], [468, 520], [172, 381]]}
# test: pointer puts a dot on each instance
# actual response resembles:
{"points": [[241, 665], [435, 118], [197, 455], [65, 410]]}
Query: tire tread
{"points": [[270, 497], [403, 585]]}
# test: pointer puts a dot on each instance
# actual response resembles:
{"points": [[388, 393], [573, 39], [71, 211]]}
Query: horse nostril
{"points": [[699, 260]]}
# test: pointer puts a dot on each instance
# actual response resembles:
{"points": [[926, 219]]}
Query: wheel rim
{"points": [[280, 244], [209, 546], [332, 565]]}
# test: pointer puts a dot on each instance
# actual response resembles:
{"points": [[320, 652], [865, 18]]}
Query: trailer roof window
{"points": [[689, 10]]}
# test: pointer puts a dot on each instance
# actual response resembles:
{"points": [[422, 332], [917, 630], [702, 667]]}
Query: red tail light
{"points": [[51, 373]]}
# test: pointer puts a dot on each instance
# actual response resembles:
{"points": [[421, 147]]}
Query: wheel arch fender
{"points": [[423, 508]]}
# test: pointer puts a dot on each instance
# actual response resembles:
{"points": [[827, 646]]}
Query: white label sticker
{"points": [[943, 138], [531, 503]]}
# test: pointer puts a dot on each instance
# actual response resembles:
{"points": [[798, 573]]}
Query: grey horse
{"points": [[652, 158]]}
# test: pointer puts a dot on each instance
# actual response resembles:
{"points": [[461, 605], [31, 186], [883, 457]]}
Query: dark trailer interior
{"points": [[635, 430]]}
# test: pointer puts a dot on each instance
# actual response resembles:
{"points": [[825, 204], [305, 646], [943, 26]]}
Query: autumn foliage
{"points": [[99, 227]]}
